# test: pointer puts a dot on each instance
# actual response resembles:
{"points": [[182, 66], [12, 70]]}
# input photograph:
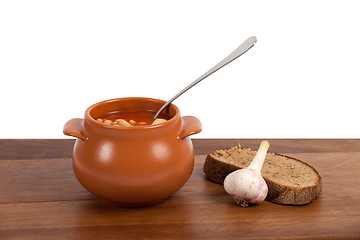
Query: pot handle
{"points": [[190, 125], [75, 128]]}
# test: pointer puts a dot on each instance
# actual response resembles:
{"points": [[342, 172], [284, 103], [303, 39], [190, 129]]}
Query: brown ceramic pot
{"points": [[135, 165]]}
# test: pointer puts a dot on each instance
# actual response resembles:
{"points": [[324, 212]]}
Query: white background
{"points": [[299, 80]]}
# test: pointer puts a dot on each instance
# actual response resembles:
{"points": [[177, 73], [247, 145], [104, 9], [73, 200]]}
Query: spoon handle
{"points": [[244, 47]]}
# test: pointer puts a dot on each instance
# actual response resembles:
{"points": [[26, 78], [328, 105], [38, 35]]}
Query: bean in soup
{"points": [[135, 118]]}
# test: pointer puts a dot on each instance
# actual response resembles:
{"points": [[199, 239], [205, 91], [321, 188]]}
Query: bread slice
{"points": [[290, 181]]}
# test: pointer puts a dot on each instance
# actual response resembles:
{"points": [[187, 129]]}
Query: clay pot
{"points": [[135, 165]]}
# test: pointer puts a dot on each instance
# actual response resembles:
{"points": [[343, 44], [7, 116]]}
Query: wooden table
{"points": [[41, 199]]}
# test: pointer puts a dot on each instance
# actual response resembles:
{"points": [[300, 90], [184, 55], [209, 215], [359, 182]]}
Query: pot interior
{"points": [[132, 108]]}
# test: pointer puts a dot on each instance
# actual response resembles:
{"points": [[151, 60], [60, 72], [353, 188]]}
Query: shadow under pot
{"points": [[138, 164]]}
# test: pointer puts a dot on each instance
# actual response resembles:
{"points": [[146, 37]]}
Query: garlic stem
{"points": [[259, 158]]}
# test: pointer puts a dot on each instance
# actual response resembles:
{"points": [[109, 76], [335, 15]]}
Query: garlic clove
{"points": [[247, 185]]}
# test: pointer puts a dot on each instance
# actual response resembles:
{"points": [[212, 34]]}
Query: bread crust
{"points": [[216, 170]]}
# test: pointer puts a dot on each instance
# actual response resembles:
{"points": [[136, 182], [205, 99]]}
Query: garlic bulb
{"points": [[247, 185]]}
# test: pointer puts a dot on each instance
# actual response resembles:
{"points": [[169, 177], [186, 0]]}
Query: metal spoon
{"points": [[244, 47]]}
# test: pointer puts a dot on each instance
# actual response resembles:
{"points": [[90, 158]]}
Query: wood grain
{"points": [[41, 199], [62, 148], [39, 180]]}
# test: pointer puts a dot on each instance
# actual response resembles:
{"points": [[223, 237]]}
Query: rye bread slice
{"points": [[290, 181]]}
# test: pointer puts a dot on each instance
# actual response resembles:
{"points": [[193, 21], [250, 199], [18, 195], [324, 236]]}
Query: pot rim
{"points": [[92, 120]]}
